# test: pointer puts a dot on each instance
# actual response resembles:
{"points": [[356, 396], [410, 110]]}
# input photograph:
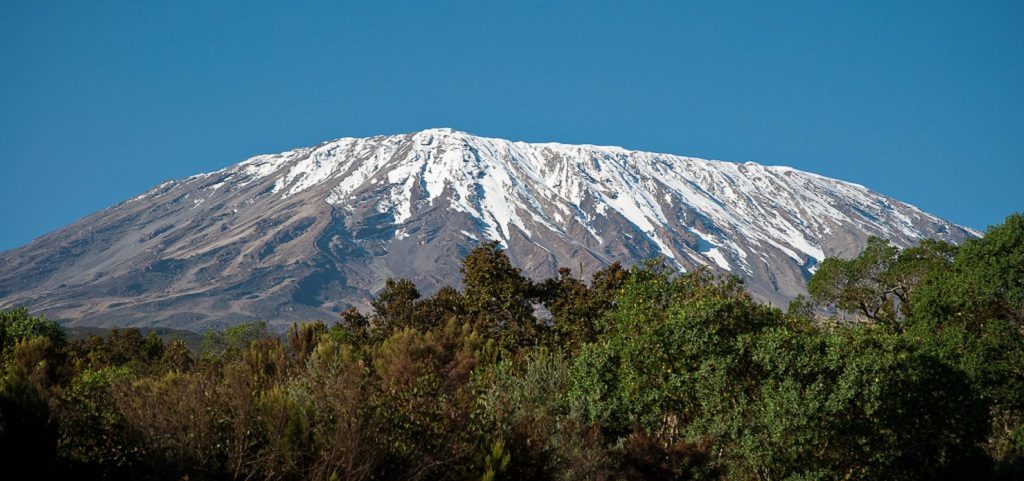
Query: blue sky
{"points": [[921, 101]]}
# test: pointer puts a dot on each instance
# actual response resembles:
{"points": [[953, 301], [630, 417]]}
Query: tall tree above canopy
{"points": [[993, 270], [879, 283], [394, 306], [859, 284], [985, 281], [499, 296]]}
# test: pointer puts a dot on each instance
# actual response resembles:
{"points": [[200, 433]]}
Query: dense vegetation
{"points": [[917, 373]]}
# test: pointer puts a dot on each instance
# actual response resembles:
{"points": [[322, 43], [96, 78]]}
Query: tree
{"points": [[605, 285], [28, 429], [420, 404], [572, 308], [914, 265], [498, 297], [859, 284], [94, 433], [120, 347], [879, 283], [354, 328], [16, 325], [394, 307], [576, 308], [303, 338], [445, 305], [234, 339], [984, 282], [640, 372], [176, 357]]}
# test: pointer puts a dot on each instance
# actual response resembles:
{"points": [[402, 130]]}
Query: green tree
{"points": [[573, 309], [94, 435], [605, 285], [176, 357], [353, 329], [28, 428], [120, 347], [420, 404], [499, 298], [234, 339], [985, 281], [688, 357], [878, 284], [16, 324], [577, 308], [447, 304], [394, 307], [859, 284], [638, 375]]}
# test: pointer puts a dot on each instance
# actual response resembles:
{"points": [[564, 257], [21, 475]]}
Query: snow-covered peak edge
{"points": [[508, 185]]}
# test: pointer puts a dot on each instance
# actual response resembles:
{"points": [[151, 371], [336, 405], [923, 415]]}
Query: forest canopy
{"points": [[900, 365]]}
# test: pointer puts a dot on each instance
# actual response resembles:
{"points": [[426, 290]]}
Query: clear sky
{"points": [[921, 101]]}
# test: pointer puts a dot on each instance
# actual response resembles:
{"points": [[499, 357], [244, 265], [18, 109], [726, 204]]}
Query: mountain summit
{"points": [[305, 233]]}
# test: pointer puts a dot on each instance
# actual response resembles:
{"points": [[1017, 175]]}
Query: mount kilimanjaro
{"points": [[305, 233]]}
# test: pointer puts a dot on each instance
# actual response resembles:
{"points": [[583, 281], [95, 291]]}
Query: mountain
{"points": [[305, 233]]}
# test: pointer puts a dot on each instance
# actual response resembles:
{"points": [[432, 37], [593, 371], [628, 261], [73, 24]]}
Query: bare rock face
{"points": [[305, 233]]}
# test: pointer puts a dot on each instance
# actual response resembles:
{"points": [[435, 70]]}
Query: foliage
{"points": [[303, 338], [577, 308], [635, 374], [17, 325], [394, 307], [879, 283], [28, 430], [498, 297], [235, 338], [94, 433], [984, 282]]}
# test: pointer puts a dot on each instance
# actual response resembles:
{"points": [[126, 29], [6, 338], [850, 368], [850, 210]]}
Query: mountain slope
{"points": [[304, 233]]}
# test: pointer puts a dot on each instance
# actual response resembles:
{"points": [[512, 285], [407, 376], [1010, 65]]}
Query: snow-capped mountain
{"points": [[304, 233]]}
